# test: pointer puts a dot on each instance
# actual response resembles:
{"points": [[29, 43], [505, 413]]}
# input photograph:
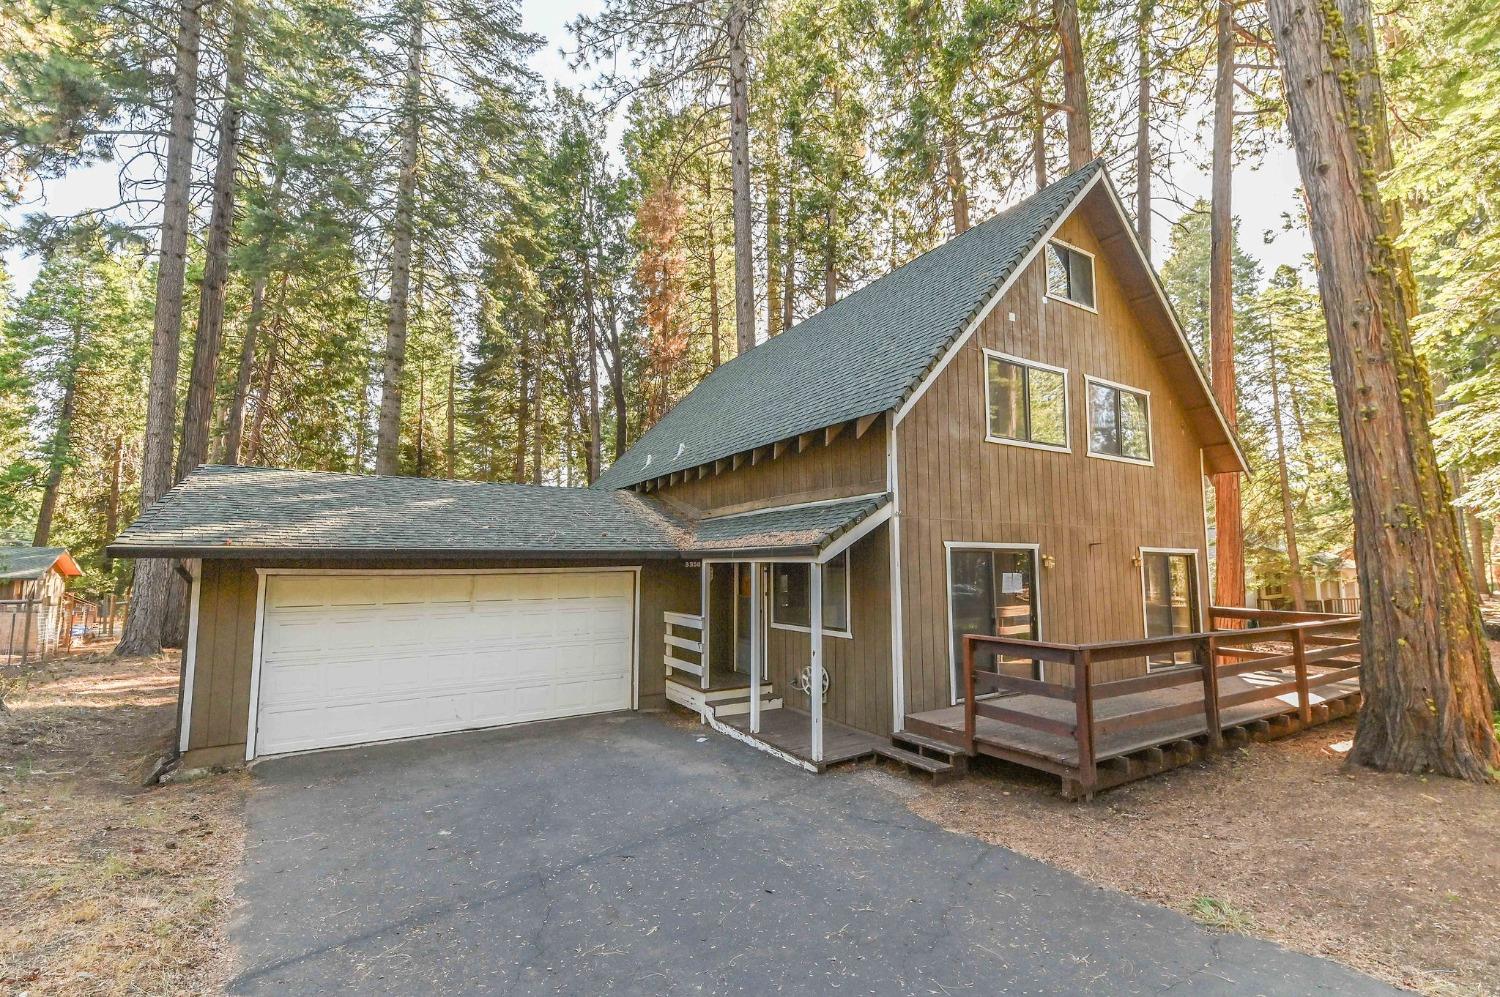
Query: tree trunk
{"points": [[830, 257], [1423, 678], [62, 441], [715, 354], [958, 188], [1038, 130], [198, 409], [147, 618], [739, 148], [1229, 578], [789, 265], [234, 425], [523, 412], [1288, 518], [536, 425], [112, 508], [1143, 126], [1075, 84], [595, 445], [773, 249], [448, 455], [388, 433], [263, 402], [1477, 548]]}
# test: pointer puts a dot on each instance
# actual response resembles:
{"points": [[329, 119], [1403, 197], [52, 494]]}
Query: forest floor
{"points": [[1394, 875], [109, 886]]}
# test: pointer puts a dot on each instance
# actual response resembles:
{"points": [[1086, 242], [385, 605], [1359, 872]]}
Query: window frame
{"points": [[1089, 380], [1093, 270], [990, 437], [771, 620], [1196, 603], [949, 546]]}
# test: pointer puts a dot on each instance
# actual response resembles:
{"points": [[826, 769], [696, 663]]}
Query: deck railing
{"points": [[1304, 639]]}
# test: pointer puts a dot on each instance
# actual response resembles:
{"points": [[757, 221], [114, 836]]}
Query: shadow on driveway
{"points": [[622, 854]]}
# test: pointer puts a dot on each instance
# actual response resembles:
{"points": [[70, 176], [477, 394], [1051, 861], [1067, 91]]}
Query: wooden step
{"points": [[740, 705], [932, 744], [940, 771]]}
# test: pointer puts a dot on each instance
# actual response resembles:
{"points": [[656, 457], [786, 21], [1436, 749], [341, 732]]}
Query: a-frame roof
{"points": [[870, 351]]}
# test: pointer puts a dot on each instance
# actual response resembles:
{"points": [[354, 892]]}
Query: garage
{"points": [[353, 657]]}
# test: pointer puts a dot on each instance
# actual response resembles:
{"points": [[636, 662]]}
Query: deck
{"points": [[790, 731]]}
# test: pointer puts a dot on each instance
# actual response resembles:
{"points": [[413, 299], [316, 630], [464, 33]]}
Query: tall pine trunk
{"points": [[1426, 702], [595, 444], [958, 185], [1229, 576], [256, 443], [739, 151], [234, 423], [1075, 84], [715, 353], [198, 409], [773, 247], [62, 442], [146, 621], [1288, 519], [1143, 126], [388, 431], [789, 263], [1477, 547]]}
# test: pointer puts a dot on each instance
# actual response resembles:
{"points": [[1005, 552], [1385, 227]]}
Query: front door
{"points": [[742, 618], [993, 590]]}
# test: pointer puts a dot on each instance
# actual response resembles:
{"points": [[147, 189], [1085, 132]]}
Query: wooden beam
{"points": [[805, 440], [865, 422], [779, 447], [702, 471], [832, 433], [738, 460], [720, 465]]}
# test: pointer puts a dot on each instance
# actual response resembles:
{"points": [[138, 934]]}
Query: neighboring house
{"points": [[33, 595], [1330, 584], [1008, 434]]}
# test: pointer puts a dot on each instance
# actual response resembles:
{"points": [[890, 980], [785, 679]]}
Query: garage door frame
{"points": [[264, 574]]}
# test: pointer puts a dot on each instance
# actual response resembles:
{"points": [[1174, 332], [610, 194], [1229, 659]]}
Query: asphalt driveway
{"points": [[624, 854]]}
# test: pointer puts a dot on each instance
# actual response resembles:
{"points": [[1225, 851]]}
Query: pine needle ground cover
{"points": [[106, 886]]}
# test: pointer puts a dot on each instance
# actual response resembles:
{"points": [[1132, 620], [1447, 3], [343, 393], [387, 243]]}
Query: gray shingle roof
{"points": [[861, 355], [252, 511], [18, 563]]}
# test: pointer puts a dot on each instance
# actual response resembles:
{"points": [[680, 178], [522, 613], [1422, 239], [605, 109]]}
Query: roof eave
{"points": [[247, 552]]}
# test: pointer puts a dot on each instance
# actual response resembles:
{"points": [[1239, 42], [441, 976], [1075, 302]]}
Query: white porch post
{"points": [[757, 647], [815, 685], [706, 575]]}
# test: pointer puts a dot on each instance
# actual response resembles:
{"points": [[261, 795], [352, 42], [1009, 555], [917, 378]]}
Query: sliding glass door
{"points": [[992, 590], [1169, 585]]}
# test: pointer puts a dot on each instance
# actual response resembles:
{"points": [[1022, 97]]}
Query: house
{"points": [[1007, 435], [1330, 584], [33, 598]]}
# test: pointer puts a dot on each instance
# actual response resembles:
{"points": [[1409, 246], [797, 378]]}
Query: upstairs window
{"points": [[1119, 422], [1070, 274], [1027, 402]]}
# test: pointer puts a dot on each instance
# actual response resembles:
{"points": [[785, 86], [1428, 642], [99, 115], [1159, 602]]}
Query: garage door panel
{"points": [[348, 658]]}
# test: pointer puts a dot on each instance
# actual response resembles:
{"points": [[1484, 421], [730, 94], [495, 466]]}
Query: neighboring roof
{"points": [[861, 355], [221, 512], [21, 563], [813, 525]]}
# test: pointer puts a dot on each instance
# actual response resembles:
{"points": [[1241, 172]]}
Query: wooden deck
{"points": [[790, 731]]}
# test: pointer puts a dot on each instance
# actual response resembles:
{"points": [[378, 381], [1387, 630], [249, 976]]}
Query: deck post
{"points": [[969, 720], [757, 647], [1299, 667], [1209, 651], [706, 575], [815, 671], [1083, 700]]}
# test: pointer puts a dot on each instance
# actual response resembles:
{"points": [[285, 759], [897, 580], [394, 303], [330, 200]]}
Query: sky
{"points": [[1263, 191]]}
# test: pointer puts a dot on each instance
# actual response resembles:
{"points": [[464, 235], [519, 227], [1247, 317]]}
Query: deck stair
{"points": [[740, 705], [940, 771], [725, 701]]}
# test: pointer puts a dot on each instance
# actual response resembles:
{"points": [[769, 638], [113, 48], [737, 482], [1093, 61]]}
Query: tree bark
{"points": [[234, 424], [739, 149], [958, 188], [388, 432], [715, 353], [1075, 84], [1038, 127], [773, 249], [1288, 517], [1143, 126], [198, 409], [789, 265], [830, 257], [448, 453], [1477, 548], [146, 621], [263, 403], [1423, 677], [1229, 544], [62, 441], [595, 445]]}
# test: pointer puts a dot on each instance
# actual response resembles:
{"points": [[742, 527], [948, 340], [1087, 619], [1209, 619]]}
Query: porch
{"points": [[1265, 674]]}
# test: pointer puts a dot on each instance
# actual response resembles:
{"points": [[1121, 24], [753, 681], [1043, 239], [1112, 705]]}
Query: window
{"points": [[1028, 402], [992, 590], [1169, 586], [790, 608], [1119, 422], [1070, 274]]}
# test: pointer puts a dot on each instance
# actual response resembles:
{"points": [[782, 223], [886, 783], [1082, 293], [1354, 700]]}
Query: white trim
{"points": [[898, 652], [1197, 595], [984, 312], [264, 574], [787, 508], [990, 437], [1047, 294], [848, 605], [757, 644], [754, 742], [854, 536], [949, 546], [1089, 380], [190, 654], [815, 655], [704, 577]]}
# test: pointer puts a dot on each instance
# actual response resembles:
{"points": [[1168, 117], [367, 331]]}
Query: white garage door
{"points": [[352, 658]]}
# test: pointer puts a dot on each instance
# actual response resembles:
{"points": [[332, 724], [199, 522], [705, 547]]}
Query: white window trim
{"points": [[827, 632], [1093, 266], [949, 546], [1089, 381], [1197, 596], [1067, 446]]}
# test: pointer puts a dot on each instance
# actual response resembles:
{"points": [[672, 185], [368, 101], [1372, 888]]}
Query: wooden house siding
{"points": [[845, 467], [220, 708], [1089, 515]]}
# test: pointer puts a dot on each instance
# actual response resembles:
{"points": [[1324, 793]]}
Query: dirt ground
{"points": [[1397, 876], [108, 887]]}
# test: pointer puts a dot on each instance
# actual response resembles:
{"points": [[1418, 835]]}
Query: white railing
{"points": [[677, 624]]}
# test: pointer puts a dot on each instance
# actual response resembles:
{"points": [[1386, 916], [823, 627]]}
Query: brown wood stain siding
{"points": [[226, 639], [1090, 515], [845, 467]]}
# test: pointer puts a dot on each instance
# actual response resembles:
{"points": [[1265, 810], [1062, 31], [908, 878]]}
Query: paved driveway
{"points": [[627, 855]]}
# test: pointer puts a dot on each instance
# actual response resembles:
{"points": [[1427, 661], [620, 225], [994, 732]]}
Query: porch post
{"points": [[815, 684], [757, 647], [706, 576]]}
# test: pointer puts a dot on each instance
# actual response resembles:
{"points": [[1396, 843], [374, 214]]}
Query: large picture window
{"points": [[1027, 402], [791, 607], [1119, 422], [1070, 274]]}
